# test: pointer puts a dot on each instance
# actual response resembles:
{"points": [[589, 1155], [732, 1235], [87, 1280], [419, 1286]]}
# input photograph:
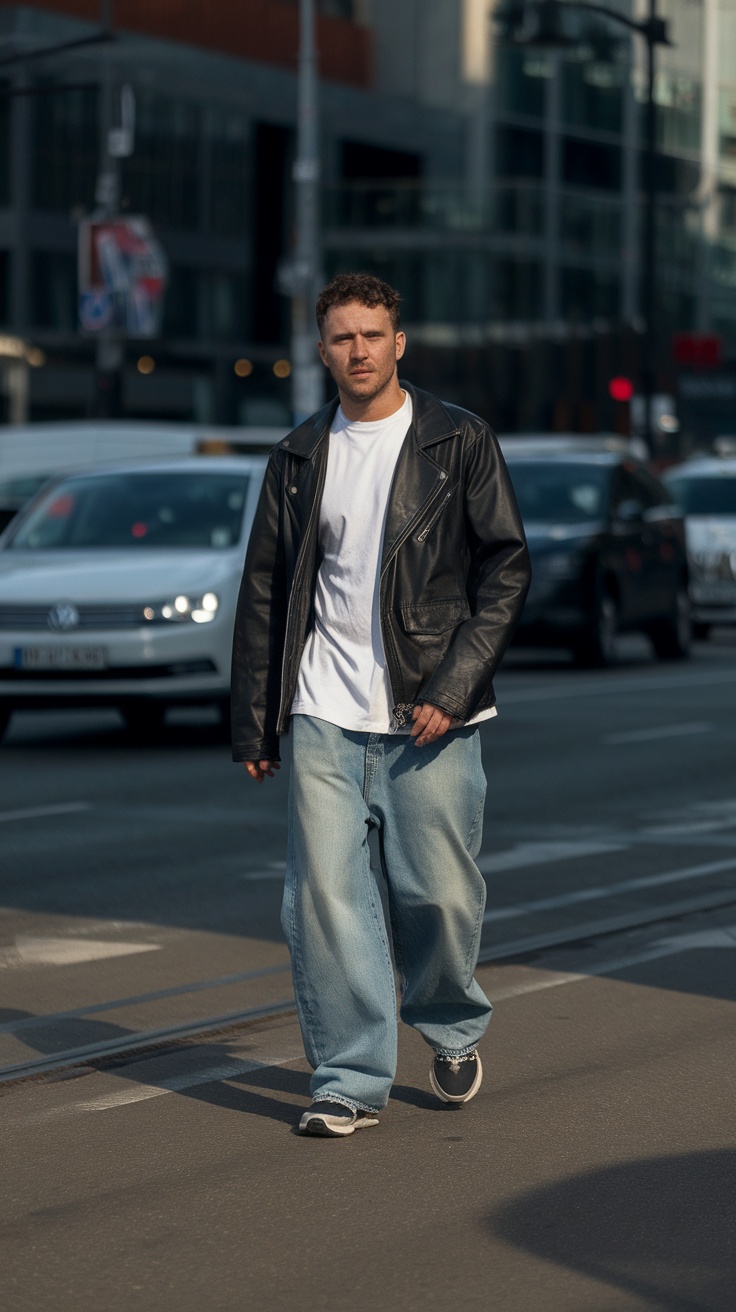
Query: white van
{"points": [[32, 453]]}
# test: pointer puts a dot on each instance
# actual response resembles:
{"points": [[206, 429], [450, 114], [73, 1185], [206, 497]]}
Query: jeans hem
{"points": [[456, 1052], [346, 1102]]}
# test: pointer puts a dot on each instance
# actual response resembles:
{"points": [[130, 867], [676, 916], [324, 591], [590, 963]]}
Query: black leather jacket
{"points": [[454, 573]]}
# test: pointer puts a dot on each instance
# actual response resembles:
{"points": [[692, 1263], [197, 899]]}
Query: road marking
{"points": [[605, 687], [724, 937], [38, 812], [29, 951], [538, 854], [108, 1102], [572, 934], [608, 890], [663, 731]]}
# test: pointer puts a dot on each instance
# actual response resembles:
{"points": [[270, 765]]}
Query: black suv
{"points": [[607, 546]]}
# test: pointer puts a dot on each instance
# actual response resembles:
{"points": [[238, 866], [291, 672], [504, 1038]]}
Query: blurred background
{"points": [[564, 241]]}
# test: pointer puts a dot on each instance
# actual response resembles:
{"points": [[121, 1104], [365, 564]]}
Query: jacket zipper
{"points": [[428, 527]]}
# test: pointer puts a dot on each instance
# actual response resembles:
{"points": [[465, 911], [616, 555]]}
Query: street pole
{"points": [[307, 370], [654, 31], [109, 347], [649, 242]]}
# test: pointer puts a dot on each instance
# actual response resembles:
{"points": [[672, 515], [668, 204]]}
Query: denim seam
{"points": [[302, 1006]]}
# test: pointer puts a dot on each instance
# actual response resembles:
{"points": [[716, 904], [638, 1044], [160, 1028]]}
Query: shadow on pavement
{"points": [[663, 1228]]}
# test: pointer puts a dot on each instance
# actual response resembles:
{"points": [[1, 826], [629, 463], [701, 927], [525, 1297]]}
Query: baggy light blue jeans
{"points": [[426, 804]]}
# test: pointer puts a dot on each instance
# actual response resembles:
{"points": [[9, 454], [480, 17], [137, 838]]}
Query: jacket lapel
{"points": [[418, 477]]}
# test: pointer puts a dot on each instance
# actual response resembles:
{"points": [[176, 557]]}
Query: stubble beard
{"points": [[363, 397]]}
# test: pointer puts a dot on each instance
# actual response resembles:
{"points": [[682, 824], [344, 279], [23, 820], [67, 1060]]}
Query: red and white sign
{"points": [[122, 277]]}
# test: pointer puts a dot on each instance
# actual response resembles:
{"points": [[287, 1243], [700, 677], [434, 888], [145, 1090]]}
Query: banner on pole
{"points": [[122, 277]]}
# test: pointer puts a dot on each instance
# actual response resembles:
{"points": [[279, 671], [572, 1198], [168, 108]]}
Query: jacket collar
{"points": [[431, 423]]}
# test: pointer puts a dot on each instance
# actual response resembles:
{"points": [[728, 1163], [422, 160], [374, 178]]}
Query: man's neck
{"points": [[378, 407]]}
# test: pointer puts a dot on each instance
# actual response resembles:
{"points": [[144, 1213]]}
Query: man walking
{"points": [[385, 573]]}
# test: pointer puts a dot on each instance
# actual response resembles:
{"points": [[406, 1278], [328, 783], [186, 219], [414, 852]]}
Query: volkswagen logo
{"points": [[63, 616]]}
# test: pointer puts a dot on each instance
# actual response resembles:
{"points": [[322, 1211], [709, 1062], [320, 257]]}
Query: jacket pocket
{"points": [[434, 617]]}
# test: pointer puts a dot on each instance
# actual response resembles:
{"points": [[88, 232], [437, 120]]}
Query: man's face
{"points": [[361, 348]]}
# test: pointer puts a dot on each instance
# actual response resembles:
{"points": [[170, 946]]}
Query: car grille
{"points": [[90, 617]]}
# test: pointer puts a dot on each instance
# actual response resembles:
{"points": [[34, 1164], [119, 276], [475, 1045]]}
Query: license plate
{"points": [[60, 658]]}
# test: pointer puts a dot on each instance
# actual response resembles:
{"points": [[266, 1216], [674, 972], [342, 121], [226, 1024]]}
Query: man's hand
{"points": [[431, 723], [259, 769]]}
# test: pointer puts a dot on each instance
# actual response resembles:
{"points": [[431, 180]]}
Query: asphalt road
{"points": [[140, 890]]}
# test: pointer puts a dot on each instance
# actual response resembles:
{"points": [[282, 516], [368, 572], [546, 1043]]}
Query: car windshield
{"points": [[704, 494], [137, 510], [559, 493]]}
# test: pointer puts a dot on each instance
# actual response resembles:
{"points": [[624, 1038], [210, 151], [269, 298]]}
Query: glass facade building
{"points": [[500, 189]]}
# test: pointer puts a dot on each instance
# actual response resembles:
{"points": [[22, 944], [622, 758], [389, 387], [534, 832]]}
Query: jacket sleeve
{"points": [[498, 581], [260, 622]]}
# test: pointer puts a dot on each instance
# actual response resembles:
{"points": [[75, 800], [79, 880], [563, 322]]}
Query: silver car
{"points": [[705, 490], [118, 587]]}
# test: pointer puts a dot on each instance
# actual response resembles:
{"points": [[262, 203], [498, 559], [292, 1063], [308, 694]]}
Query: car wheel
{"points": [[701, 631], [671, 637], [143, 719], [597, 645]]}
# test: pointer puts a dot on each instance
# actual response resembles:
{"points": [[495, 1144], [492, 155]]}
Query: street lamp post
{"points": [[303, 272], [653, 29]]}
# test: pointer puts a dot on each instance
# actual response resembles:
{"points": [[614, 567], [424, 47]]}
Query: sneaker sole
{"points": [[321, 1129], [453, 1099]]}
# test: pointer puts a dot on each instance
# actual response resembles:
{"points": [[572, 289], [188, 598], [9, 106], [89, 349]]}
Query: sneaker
{"points": [[332, 1120], [456, 1079]]}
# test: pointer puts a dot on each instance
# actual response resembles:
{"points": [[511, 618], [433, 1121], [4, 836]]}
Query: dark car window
{"points": [[561, 492], [138, 510], [704, 494], [648, 490]]}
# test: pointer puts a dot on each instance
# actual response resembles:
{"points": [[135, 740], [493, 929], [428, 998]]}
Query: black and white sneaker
{"points": [[456, 1079], [332, 1120]]}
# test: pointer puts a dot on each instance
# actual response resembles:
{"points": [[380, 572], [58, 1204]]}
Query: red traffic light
{"points": [[621, 389]]}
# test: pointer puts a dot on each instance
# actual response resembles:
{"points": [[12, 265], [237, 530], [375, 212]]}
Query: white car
{"points": [[705, 490], [118, 587]]}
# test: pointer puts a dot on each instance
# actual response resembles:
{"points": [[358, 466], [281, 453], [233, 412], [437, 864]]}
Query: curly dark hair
{"points": [[362, 287]]}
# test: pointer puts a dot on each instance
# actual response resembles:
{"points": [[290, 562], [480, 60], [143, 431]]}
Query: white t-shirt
{"points": [[343, 676]]}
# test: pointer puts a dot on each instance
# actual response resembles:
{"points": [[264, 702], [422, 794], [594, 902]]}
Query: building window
{"points": [[229, 297], [5, 258], [64, 147], [54, 291], [589, 294], [4, 145], [589, 164], [592, 94], [522, 78], [520, 153], [161, 179], [518, 290], [181, 303], [230, 166]]}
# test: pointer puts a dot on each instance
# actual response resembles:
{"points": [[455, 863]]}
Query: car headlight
{"points": [[201, 609], [559, 565]]}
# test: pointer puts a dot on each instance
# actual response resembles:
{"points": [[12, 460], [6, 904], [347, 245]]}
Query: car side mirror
{"points": [[629, 511]]}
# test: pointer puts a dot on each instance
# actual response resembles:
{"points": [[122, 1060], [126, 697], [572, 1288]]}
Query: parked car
{"points": [[607, 546], [705, 490], [14, 492], [118, 587]]}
